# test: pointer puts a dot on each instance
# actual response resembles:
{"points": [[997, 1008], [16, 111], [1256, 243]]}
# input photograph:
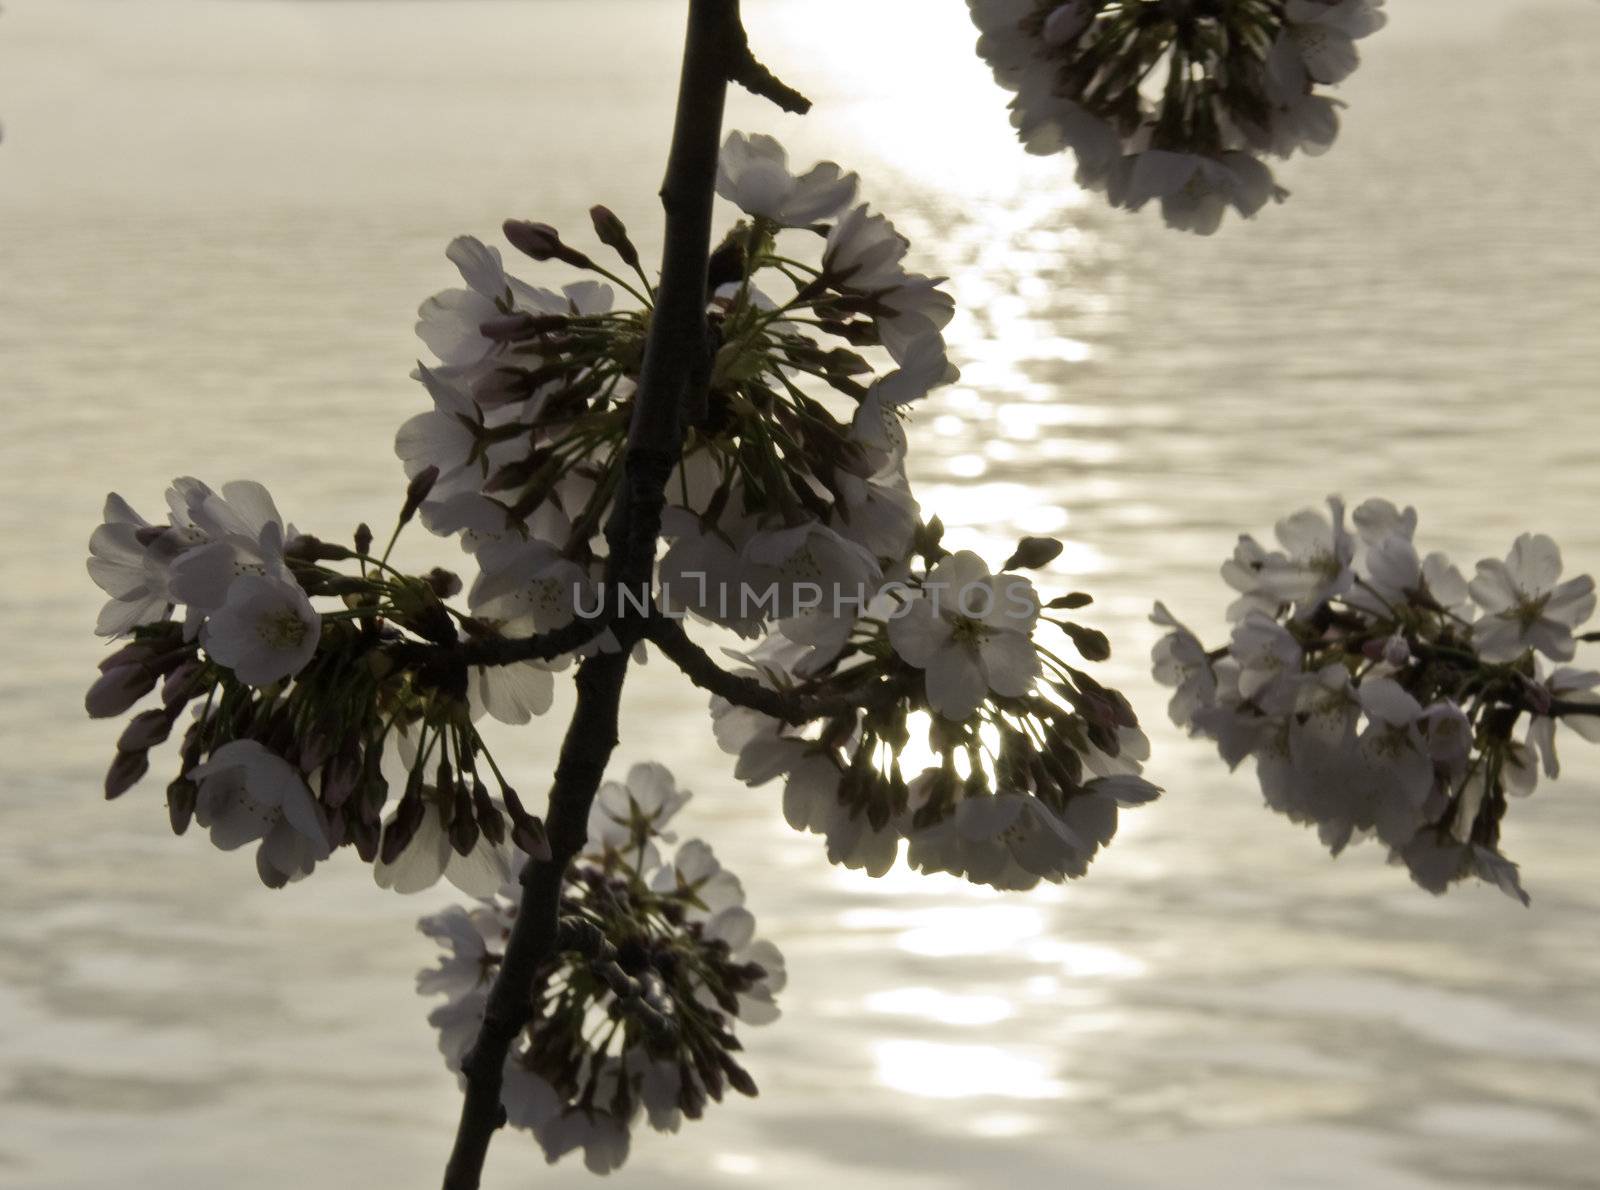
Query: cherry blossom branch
{"points": [[787, 706], [1566, 706], [590, 739], [715, 51], [438, 662]]}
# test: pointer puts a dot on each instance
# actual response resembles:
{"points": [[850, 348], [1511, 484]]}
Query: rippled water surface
{"points": [[216, 220]]}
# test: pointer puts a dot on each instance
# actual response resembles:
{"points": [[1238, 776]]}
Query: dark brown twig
{"points": [[787, 706]]}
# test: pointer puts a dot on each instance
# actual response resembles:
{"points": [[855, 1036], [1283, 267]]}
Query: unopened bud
{"points": [[125, 772], [543, 242], [183, 683], [181, 797], [503, 386], [726, 264], [341, 775], [490, 821], [614, 235], [144, 731], [530, 836], [1093, 644], [363, 538], [364, 835], [136, 653], [403, 827], [314, 549], [1034, 552], [118, 689], [507, 327], [463, 823], [444, 583], [417, 491], [691, 1099], [1070, 602], [738, 1077]]}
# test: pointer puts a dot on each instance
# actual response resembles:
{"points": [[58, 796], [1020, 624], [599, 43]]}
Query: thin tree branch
{"points": [[754, 77], [493, 651], [672, 361], [787, 706], [1570, 706]]}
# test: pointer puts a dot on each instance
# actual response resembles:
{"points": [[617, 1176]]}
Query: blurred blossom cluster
{"points": [[656, 960], [1383, 694], [1175, 101]]}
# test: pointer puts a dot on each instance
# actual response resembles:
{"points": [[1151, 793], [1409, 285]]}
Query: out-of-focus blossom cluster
{"points": [[634, 1014], [1175, 101], [1382, 694]]}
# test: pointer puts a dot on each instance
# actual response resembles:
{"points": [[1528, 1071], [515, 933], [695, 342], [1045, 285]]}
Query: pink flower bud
{"points": [[118, 689]]}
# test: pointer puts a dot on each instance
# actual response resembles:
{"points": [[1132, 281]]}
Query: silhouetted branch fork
{"points": [[716, 51]]}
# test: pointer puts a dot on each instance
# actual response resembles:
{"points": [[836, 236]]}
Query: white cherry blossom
{"points": [[1526, 606], [1571, 685], [131, 561], [247, 793], [753, 174], [1317, 563], [529, 587], [971, 631], [864, 251], [1195, 189], [466, 935], [1269, 661], [1181, 661], [244, 534], [265, 631], [625, 812]]}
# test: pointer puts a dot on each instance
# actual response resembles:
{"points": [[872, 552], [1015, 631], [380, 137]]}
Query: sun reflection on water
{"points": [[933, 1005], [935, 1070]]}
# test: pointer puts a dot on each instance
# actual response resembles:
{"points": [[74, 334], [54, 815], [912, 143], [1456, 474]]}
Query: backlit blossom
{"points": [[753, 174], [971, 631], [1370, 703]]}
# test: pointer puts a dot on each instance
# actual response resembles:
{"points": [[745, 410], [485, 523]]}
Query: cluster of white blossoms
{"points": [[221, 556], [789, 519], [1381, 693], [1175, 101], [905, 694], [1028, 757], [298, 720], [656, 961], [793, 473]]}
